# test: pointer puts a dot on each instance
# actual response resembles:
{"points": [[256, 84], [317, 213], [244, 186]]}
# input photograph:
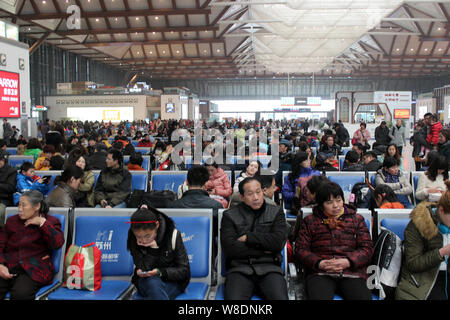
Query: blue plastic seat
{"points": [[16, 161], [139, 180], [397, 226], [145, 161], [109, 232], [395, 220], [11, 150], [143, 150], [346, 179], [167, 180], [341, 162], [52, 173]]}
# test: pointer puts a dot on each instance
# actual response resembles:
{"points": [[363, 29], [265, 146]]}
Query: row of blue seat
{"points": [[108, 229]]}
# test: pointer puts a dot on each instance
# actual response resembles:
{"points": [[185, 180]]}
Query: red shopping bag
{"points": [[82, 267]]}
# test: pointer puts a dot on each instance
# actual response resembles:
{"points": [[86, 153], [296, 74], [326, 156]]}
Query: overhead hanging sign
{"points": [[9, 95]]}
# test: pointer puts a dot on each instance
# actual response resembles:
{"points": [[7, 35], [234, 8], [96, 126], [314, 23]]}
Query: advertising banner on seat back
{"points": [[9, 95]]}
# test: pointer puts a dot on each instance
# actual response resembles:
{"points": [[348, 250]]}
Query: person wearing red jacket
{"points": [[26, 244], [145, 142], [335, 247], [435, 128], [218, 185]]}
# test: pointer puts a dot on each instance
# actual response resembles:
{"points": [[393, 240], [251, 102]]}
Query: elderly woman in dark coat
{"points": [[335, 247], [26, 244]]}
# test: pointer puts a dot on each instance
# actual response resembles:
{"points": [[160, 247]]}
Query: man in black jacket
{"points": [[253, 233], [352, 163], [97, 160], [382, 135], [197, 196], [371, 162], [342, 135], [7, 185]]}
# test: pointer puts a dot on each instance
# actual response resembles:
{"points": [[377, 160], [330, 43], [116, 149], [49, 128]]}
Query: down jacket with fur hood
{"points": [[421, 258]]}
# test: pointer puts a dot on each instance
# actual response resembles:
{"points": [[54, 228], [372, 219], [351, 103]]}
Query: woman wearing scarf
{"points": [[390, 175], [335, 247]]}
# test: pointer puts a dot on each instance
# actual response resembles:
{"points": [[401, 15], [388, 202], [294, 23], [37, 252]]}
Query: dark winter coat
{"points": [[173, 264], [373, 165], [316, 242], [113, 185], [7, 184], [421, 258], [266, 232], [342, 136], [382, 135], [97, 161], [196, 199], [26, 247], [354, 167], [444, 150]]}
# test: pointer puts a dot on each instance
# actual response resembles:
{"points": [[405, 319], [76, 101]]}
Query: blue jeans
{"points": [[120, 205], [153, 288]]}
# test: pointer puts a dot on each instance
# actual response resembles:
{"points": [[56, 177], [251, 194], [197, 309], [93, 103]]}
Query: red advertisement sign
{"points": [[402, 114], [9, 95]]}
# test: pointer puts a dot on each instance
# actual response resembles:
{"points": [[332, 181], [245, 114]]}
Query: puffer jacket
{"points": [[173, 264], [403, 187], [220, 183], [397, 135], [25, 183], [433, 136], [113, 185], [421, 258], [316, 242], [266, 236]]}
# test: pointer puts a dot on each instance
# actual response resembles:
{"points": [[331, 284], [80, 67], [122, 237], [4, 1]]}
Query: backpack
{"points": [[361, 193], [387, 256], [158, 198], [152, 198]]}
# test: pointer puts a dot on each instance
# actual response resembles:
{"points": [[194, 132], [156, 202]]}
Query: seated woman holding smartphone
{"points": [[162, 265]]}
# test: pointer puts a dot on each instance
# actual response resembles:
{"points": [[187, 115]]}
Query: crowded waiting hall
{"points": [[224, 150]]}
